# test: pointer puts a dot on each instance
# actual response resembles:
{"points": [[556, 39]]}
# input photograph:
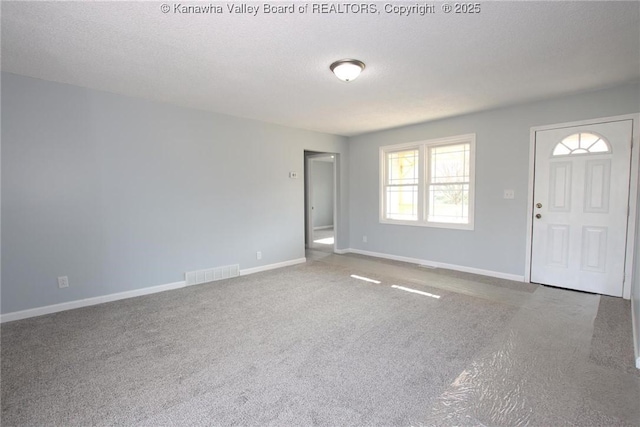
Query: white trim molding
{"points": [[55, 308], [70, 305], [436, 264], [308, 190], [636, 331], [633, 192], [289, 263]]}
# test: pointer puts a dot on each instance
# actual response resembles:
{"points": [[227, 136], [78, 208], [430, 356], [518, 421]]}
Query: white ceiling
{"points": [[275, 68]]}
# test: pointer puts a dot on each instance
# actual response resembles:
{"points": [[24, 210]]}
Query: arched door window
{"points": [[582, 143]]}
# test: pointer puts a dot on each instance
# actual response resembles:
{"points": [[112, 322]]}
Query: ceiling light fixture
{"points": [[347, 69]]}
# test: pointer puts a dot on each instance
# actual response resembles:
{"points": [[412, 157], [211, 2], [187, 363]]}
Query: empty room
{"points": [[293, 213]]}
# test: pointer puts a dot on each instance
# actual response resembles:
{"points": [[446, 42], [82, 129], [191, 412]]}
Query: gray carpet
{"points": [[323, 240], [309, 345]]}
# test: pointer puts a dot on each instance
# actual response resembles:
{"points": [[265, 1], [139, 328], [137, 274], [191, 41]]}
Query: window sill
{"points": [[453, 226]]}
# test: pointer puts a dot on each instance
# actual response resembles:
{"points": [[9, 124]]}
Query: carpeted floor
{"points": [[310, 345], [323, 240]]}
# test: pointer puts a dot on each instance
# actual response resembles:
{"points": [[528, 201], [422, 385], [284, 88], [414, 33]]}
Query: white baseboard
{"points": [[289, 263], [436, 264], [323, 227], [341, 251], [55, 308], [636, 331]]}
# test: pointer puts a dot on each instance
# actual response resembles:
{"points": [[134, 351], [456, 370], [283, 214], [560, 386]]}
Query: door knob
{"points": [[538, 205], [538, 216]]}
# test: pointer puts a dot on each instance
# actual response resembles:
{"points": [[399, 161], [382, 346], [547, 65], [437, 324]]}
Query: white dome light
{"points": [[347, 69]]}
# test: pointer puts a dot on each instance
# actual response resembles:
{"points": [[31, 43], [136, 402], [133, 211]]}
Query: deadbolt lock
{"points": [[538, 216], [538, 205]]}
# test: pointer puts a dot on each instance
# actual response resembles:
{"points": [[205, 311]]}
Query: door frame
{"points": [[633, 192], [309, 198]]}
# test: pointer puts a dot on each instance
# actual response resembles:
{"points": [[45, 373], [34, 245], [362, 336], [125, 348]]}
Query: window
{"points": [[581, 143], [429, 183], [402, 185]]}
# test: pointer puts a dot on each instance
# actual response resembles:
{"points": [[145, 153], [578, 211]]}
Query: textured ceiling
{"points": [[275, 68]]}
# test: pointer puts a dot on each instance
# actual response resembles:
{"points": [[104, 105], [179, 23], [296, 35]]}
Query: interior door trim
{"points": [[308, 189], [633, 191]]}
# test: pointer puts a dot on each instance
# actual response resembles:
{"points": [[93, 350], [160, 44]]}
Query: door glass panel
{"points": [[572, 142], [599, 147], [588, 139], [561, 150], [581, 143]]}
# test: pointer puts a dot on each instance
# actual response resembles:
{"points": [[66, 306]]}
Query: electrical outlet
{"points": [[293, 175], [63, 282], [509, 194], [364, 239], [258, 255]]}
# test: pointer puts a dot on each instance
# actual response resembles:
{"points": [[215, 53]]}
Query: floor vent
{"points": [[212, 274]]}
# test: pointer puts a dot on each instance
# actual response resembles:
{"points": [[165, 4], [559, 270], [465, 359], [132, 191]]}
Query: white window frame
{"points": [[424, 181]]}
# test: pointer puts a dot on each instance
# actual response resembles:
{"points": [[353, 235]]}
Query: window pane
{"points": [[450, 163], [449, 203], [402, 167], [561, 150], [572, 142], [587, 140], [581, 143], [599, 147], [402, 202]]}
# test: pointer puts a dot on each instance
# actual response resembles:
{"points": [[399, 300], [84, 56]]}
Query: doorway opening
{"points": [[320, 193]]}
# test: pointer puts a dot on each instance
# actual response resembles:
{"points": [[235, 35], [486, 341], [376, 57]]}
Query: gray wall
{"points": [[322, 180], [502, 162], [121, 193]]}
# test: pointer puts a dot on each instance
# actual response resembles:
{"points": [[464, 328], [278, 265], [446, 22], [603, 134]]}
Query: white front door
{"points": [[581, 198]]}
